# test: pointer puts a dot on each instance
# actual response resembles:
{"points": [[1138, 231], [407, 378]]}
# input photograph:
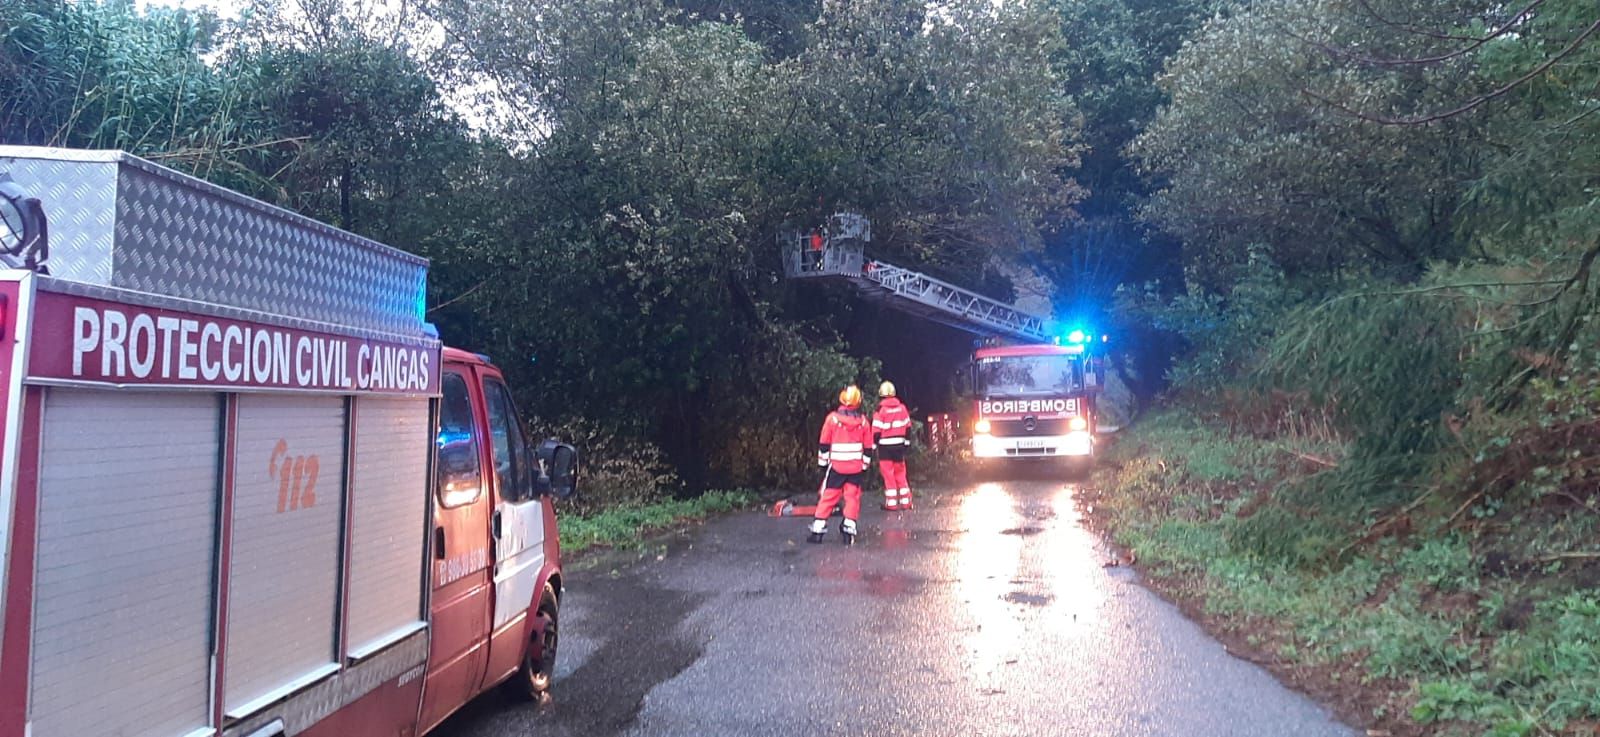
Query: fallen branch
{"points": [[1378, 527], [196, 153], [1464, 507], [1577, 555], [1319, 460], [481, 284]]}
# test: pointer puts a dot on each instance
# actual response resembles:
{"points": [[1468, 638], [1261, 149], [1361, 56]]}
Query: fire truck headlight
{"points": [[1077, 423], [981, 427]]}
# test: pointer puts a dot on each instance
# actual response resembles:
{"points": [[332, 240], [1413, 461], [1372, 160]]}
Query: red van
{"points": [[244, 490]]}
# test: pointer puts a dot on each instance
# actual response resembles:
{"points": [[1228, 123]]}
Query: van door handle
{"points": [[438, 543], [497, 524]]}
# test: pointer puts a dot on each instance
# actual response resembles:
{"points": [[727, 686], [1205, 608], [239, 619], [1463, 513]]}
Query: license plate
{"points": [[1031, 443]]}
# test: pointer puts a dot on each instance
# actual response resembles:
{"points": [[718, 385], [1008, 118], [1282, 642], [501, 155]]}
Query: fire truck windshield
{"points": [[1019, 376]]}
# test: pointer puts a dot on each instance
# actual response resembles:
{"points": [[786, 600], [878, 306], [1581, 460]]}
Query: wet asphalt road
{"points": [[986, 611]]}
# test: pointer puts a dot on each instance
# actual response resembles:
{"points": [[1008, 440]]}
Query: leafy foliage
{"points": [[598, 182], [1464, 633]]}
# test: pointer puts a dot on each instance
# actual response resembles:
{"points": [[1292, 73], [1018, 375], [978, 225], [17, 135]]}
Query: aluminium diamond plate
{"points": [[120, 221]]}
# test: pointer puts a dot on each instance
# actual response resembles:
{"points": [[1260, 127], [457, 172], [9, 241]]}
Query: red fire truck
{"points": [[1031, 400], [1034, 401], [244, 491]]}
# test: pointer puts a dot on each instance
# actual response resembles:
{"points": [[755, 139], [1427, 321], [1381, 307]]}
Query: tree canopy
{"points": [[600, 182]]}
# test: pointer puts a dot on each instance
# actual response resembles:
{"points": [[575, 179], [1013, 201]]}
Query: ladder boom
{"points": [[838, 254]]}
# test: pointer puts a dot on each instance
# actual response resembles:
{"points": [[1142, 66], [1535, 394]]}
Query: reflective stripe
{"points": [[848, 456], [900, 423], [881, 425], [847, 447], [892, 441]]}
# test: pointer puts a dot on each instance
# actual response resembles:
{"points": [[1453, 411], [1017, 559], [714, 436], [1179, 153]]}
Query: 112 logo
{"points": [[296, 476]]}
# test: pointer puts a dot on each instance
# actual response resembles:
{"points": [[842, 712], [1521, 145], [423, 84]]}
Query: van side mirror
{"points": [[559, 463]]}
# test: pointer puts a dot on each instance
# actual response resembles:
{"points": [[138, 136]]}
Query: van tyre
{"points": [[532, 681]]}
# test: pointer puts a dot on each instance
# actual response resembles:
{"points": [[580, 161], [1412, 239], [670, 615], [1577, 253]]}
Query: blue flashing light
{"points": [[1075, 337]]}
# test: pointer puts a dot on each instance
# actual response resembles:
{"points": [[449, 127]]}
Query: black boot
{"points": [[815, 537], [847, 532]]}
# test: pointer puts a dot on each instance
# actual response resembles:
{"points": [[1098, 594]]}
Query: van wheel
{"points": [[538, 670]]}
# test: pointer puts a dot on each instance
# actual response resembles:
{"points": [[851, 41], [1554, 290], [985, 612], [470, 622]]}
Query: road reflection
{"points": [[986, 562], [1073, 567], [1027, 573]]}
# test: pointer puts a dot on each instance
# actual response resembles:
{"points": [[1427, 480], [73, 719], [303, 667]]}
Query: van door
{"points": [[461, 590], [517, 529]]}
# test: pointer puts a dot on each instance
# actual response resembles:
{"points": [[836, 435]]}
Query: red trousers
{"points": [[894, 475], [896, 490], [837, 485]]}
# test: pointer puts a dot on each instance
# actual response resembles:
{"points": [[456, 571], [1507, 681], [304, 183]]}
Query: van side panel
{"points": [[16, 287], [461, 599], [123, 568], [389, 710], [14, 640]]}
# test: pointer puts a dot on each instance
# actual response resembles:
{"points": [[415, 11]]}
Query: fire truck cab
{"points": [[1033, 401], [244, 490]]}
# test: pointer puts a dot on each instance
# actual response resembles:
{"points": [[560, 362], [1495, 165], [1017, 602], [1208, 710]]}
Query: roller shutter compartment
{"points": [[124, 578], [284, 572], [389, 502]]}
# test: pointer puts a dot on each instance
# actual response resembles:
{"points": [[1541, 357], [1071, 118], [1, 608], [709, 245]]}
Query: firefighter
{"points": [[816, 250], [891, 427], [846, 441]]}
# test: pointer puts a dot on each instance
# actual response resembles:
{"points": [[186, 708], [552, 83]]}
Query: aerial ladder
{"points": [[837, 253], [1010, 417]]}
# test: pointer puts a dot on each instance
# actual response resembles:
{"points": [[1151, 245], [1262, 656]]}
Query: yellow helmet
{"points": [[850, 397], [886, 389]]}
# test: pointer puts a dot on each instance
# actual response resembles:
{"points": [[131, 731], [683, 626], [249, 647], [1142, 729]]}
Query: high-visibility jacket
{"points": [[891, 425], [846, 440]]}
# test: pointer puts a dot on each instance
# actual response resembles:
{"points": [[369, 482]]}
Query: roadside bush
{"points": [[617, 469], [767, 438], [1222, 334]]}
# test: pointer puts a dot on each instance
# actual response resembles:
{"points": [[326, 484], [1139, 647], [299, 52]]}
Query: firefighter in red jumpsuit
{"points": [[891, 426], [846, 441], [816, 250]]}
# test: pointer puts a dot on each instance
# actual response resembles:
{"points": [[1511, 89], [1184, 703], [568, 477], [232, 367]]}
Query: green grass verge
{"points": [[1436, 636], [628, 525]]}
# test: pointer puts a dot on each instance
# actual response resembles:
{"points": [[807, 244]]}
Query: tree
{"points": [[663, 155], [1256, 147], [104, 75]]}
